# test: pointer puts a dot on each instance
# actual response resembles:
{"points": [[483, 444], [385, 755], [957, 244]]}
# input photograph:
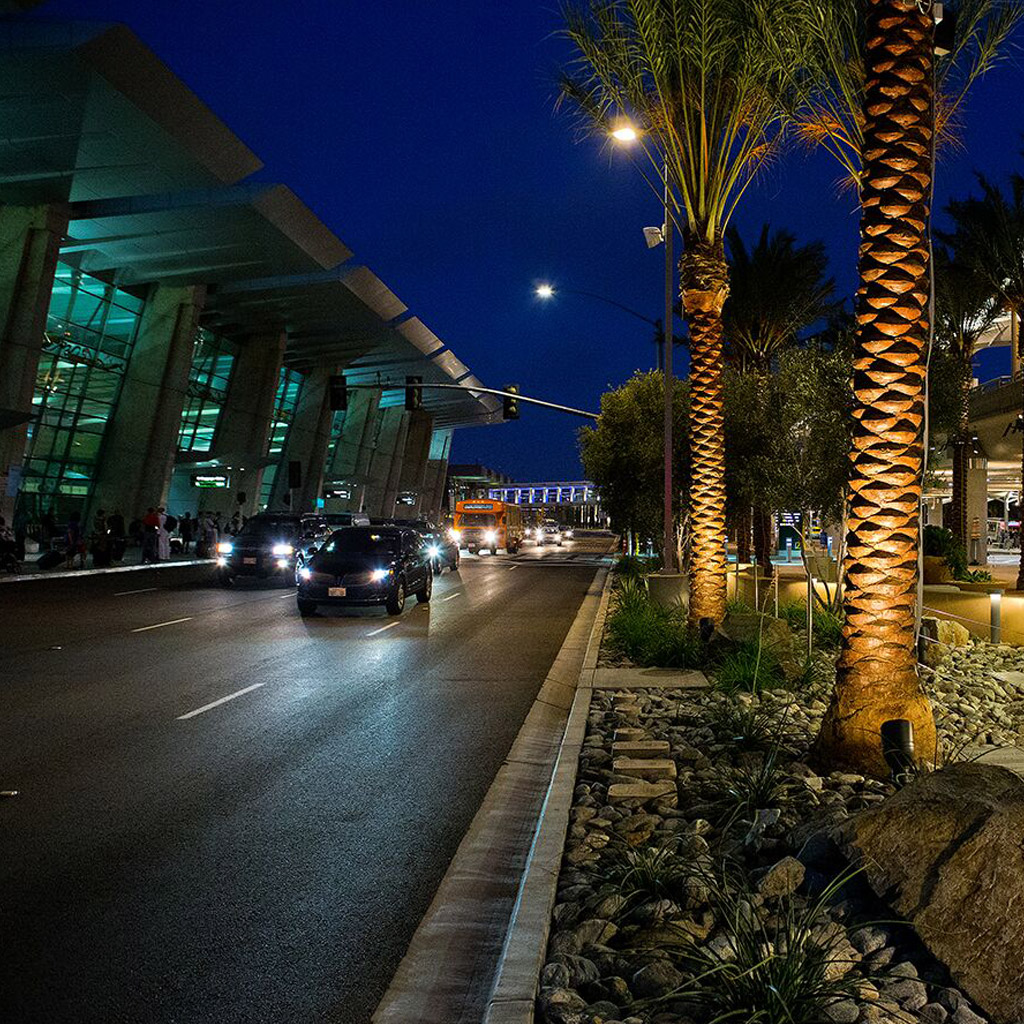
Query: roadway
{"points": [[229, 813]]}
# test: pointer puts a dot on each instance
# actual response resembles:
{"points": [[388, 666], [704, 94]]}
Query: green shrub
{"points": [[940, 543], [828, 624], [633, 565], [649, 634], [751, 667], [749, 726]]}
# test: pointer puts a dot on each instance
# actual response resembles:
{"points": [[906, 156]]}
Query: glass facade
{"points": [[212, 361], [90, 330], [288, 386]]}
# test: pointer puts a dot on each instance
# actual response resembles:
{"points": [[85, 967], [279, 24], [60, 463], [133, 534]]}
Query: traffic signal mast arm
{"points": [[477, 389]]}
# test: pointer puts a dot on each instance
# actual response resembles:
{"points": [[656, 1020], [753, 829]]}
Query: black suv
{"points": [[271, 544], [367, 565]]}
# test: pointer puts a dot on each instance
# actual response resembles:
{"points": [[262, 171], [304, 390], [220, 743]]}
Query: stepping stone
{"points": [[628, 733], [627, 709], [620, 792], [641, 748], [651, 769]]}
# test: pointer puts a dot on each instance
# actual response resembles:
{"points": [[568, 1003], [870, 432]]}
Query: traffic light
{"points": [[413, 393], [510, 403], [337, 390]]}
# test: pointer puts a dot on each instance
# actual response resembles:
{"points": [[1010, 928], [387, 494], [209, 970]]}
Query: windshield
{"points": [[478, 519], [261, 529], [362, 540]]}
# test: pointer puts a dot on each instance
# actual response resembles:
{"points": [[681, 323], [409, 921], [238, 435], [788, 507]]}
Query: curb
{"points": [[514, 994], [68, 574], [445, 975]]}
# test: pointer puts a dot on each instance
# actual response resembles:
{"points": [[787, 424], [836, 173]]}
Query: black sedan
{"points": [[367, 565], [270, 545]]}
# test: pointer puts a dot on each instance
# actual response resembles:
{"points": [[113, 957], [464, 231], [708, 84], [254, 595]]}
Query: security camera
{"points": [[654, 237]]}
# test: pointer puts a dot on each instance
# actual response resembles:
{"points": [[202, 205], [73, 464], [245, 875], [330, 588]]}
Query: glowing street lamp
{"points": [[625, 133], [544, 291]]}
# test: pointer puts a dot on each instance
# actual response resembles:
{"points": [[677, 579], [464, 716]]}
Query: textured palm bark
{"points": [[877, 666], [961, 460], [763, 540], [704, 278]]}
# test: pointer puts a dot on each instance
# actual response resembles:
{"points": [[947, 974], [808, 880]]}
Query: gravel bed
{"points": [[655, 891]]}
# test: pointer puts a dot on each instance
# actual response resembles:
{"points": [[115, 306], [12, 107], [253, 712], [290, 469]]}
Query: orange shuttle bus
{"points": [[484, 525]]}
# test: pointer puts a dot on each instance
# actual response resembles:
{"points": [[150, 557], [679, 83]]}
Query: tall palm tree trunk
{"points": [[961, 463], [877, 668], [704, 281], [763, 540]]}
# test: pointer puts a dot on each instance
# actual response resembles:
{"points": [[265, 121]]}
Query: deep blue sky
{"points": [[424, 135]]}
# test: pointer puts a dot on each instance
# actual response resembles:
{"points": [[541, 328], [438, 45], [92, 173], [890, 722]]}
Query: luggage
{"points": [[50, 559]]}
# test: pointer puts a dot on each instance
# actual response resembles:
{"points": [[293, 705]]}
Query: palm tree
{"points": [[706, 85], [989, 237], [874, 109], [965, 308], [777, 290]]}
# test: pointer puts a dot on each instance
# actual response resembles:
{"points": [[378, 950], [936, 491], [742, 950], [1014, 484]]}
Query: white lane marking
{"points": [[285, 597], [511, 567], [158, 625], [144, 590], [215, 703], [451, 597], [390, 625]]}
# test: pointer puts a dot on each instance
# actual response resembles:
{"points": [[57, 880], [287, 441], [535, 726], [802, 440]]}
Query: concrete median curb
{"points": [[490, 906], [66, 574]]}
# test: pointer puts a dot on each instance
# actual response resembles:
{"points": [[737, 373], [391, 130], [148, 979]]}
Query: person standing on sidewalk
{"points": [[163, 536], [74, 541], [99, 542], [186, 529], [150, 530]]}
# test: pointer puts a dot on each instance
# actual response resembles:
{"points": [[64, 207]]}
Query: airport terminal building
{"points": [[172, 332]]}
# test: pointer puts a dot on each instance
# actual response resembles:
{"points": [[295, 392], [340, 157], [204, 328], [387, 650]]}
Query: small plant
{"points": [[782, 973], [828, 624], [975, 576], [735, 606], [750, 726], [751, 667], [649, 634], [756, 786], [633, 566], [647, 873]]}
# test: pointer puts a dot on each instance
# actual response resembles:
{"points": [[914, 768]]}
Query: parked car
{"points": [[367, 565], [272, 544]]}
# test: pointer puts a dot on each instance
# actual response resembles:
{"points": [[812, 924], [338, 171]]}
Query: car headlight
{"points": [[380, 574], [305, 573], [434, 551], [490, 536], [225, 547], [283, 549], [455, 535]]}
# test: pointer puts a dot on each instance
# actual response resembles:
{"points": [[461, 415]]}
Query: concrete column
{"points": [[385, 466], [30, 238], [436, 477], [977, 511], [306, 444], [351, 461], [137, 459], [414, 461], [243, 427]]}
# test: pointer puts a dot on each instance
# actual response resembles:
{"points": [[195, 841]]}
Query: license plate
{"points": [[335, 591], [248, 561]]}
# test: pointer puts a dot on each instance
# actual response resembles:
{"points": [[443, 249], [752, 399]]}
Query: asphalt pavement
{"points": [[229, 813]]}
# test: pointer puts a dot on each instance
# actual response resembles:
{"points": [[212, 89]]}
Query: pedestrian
{"points": [[48, 527], [186, 529], [163, 535], [115, 530], [150, 529], [74, 542], [99, 541]]}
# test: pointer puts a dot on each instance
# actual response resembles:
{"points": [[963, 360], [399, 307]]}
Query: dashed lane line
{"points": [[451, 597], [159, 625], [144, 590], [390, 625], [217, 703]]}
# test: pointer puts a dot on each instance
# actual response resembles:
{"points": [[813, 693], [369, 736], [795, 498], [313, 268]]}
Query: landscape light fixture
{"points": [[654, 237], [898, 749]]}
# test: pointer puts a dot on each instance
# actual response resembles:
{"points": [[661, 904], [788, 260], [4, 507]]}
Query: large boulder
{"points": [[948, 853], [750, 628], [938, 637]]}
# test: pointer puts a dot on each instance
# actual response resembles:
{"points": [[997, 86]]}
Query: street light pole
{"points": [[669, 561]]}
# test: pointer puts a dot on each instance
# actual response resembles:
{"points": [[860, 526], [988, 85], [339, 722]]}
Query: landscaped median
{"points": [[710, 872]]}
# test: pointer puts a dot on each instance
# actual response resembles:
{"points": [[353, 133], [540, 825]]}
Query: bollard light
{"points": [[789, 550], [898, 749], [996, 616]]}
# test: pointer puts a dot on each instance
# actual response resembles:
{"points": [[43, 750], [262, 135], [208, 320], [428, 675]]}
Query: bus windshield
{"points": [[478, 519]]}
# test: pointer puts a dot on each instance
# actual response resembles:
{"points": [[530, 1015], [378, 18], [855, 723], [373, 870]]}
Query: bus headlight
{"points": [[456, 535], [490, 536]]}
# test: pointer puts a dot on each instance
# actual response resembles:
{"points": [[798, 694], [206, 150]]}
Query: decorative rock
{"points": [[621, 792], [594, 932], [641, 748], [561, 1005], [932, 1013], [908, 992], [930, 844], [656, 980], [782, 878], [629, 733], [868, 939], [846, 1011], [963, 1015], [651, 769]]}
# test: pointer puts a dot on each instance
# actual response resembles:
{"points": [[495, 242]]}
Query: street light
{"points": [[626, 134], [544, 291]]}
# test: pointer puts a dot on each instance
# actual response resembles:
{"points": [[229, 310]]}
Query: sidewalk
{"points": [[132, 562]]}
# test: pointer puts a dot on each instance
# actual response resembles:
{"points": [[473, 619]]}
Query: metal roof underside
{"points": [[91, 117]]}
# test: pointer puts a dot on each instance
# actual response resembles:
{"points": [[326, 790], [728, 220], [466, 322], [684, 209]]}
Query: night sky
{"points": [[424, 135]]}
